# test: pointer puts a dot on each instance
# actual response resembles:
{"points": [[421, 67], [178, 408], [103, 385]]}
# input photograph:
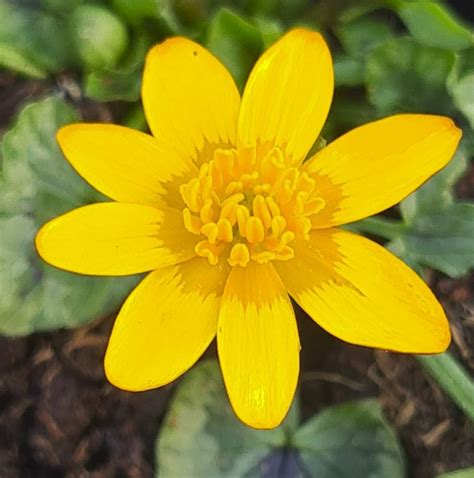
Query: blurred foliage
{"points": [[37, 184], [464, 473], [201, 437]]}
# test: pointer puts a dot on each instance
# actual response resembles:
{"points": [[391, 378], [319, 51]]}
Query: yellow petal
{"points": [[165, 325], [258, 345], [115, 239], [359, 292], [124, 164], [376, 165], [288, 95], [190, 99]]}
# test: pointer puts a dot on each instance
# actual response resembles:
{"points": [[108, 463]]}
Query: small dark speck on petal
{"points": [[195, 53]]}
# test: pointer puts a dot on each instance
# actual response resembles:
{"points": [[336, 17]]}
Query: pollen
{"points": [[247, 206]]}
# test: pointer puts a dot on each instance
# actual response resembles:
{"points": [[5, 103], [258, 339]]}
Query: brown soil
{"points": [[60, 418]]}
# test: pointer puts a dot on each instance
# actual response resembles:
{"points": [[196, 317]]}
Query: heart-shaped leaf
{"points": [[352, 440], [201, 437]]}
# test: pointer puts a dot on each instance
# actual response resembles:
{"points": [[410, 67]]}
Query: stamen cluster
{"points": [[252, 208]]}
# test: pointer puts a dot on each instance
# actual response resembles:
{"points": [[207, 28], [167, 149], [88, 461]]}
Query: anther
{"points": [[229, 206], [191, 223], [273, 206], [278, 226], [225, 233], [254, 230], [207, 213], [210, 251], [239, 255], [211, 231], [260, 209], [242, 214], [314, 206], [234, 187], [193, 192], [263, 257]]}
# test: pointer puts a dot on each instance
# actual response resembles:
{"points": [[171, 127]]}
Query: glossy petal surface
{"points": [[190, 98], [288, 95], [165, 325], [361, 293], [115, 239], [124, 164], [375, 166], [258, 345]]}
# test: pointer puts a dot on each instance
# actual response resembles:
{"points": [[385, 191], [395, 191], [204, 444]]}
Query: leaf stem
{"points": [[380, 226], [452, 378]]}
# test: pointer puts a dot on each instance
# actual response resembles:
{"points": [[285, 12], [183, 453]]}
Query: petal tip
{"points": [[444, 340], [41, 242], [167, 44], [116, 377], [310, 36], [257, 422], [63, 133], [437, 341], [306, 33]]}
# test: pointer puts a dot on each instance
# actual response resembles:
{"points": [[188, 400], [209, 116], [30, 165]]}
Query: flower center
{"points": [[249, 208]]}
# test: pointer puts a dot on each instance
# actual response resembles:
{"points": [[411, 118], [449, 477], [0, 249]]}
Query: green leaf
{"points": [[32, 42], [452, 378], [460, 85], [358, 37], [261, 7], [37, 184], [351, 440], [60, 6], [270, 30], [348, 71], [464, 473], [201, 437], [138, 10], [444, 240], [436, 194], [404, 76], [463, 96], [122, 82], [292, 8], [136, 119], [18, 306], [433, 25], [235, 42], [99, 36], [33, 164], [361, 35]]}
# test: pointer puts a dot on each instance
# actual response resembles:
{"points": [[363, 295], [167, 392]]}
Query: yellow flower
{"points": [[219, 205]]}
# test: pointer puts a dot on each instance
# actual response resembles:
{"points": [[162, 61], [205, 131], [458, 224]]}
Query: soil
{"points": [[59, 417]]}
